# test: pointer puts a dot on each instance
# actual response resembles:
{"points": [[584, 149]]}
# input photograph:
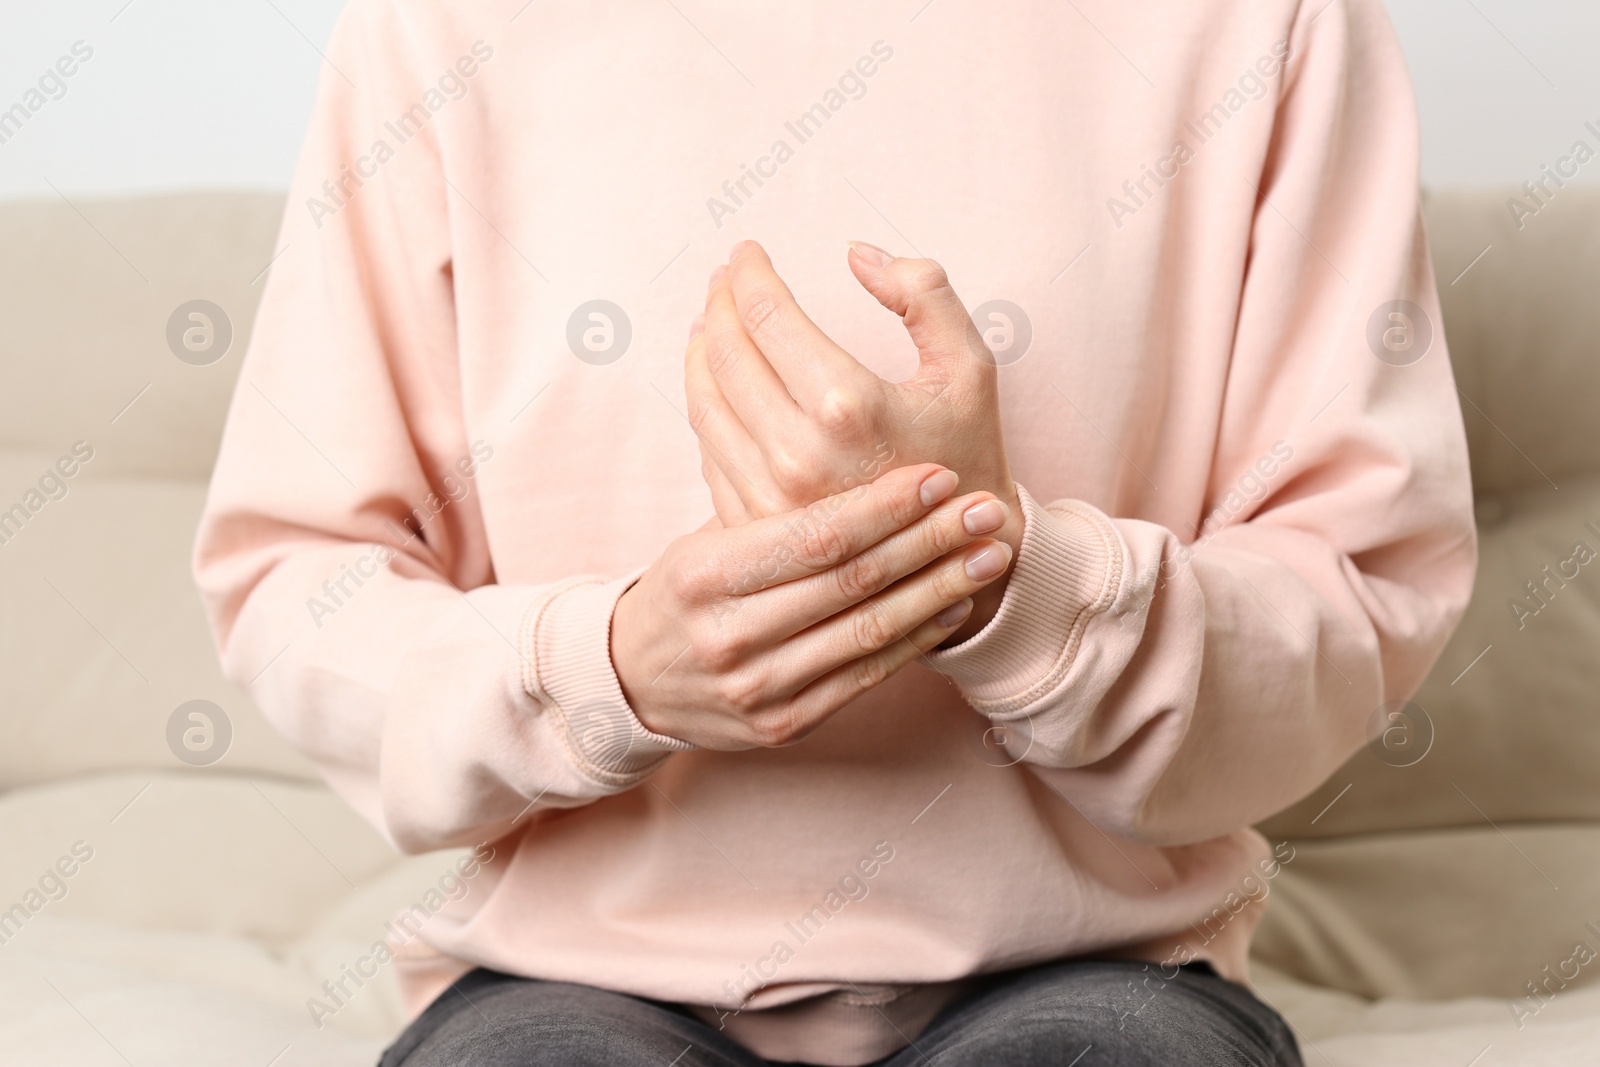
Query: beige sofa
{"points": [[156, 912]]}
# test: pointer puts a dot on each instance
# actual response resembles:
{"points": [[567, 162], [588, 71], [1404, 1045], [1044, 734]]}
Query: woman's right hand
{"points": [[753, 636]]}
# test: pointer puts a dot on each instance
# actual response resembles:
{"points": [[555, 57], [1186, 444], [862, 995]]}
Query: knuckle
{"points": [[842, 414], [775, 728], [821, 543], [945, 535], [721, 650], [789, 471], [723, 349], [943, 585], [743, 692], [691, 581], [762, 311], [870, 630], [904, 504], [872, 672], [861, 576], [764, 500], [927, 276], [701, 411]]}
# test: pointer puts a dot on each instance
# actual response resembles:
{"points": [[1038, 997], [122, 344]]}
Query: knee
{"points": [[1127, 1012], [551, 1024]]}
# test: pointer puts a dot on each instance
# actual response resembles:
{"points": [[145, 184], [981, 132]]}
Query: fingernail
{"points": [[717, 275], [698, 326], [984, 518], [874, 255], [954, 615], [733, 253], [988, 562], [937, 486]]}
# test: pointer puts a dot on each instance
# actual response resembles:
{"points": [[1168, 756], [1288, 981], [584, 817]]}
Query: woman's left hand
{"points": [[786, 417]]}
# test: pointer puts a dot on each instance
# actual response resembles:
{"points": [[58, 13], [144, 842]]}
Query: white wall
{"points": [[184, 94], [180, 94], [1503, 86]]}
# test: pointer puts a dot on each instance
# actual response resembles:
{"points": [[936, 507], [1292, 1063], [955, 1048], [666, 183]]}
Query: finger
{"points": [[814, 704], [730, 508], [936, 539], [817, 538], [919, 291], [876, 623], [724, 438], [822, 377], [753, 388]]}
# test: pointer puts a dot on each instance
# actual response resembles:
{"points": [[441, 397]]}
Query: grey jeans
{"points": [[1081, 1013]]}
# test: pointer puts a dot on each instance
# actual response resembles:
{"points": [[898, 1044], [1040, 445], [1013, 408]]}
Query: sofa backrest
{"points": [[102, 636], [1509, 730]]}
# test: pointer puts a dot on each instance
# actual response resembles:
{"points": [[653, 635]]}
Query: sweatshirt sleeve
{"points": [[342, 553], [1180, 685]]}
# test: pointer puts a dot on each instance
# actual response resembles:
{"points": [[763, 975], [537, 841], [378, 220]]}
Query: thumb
{"points": [[918, 290]]}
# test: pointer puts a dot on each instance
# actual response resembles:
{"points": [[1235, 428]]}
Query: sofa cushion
{"points": [[146, 898], [87, 993], [1439, 914], [1339, 1030], [196, 851]]}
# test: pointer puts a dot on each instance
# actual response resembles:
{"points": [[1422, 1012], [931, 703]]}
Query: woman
{"points": [[876, 681]]}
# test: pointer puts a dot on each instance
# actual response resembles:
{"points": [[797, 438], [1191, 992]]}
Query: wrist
{"points": [[570, 669], [624, 654]]}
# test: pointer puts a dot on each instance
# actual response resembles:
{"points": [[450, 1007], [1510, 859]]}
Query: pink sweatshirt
{"points": [[1248, 517]]}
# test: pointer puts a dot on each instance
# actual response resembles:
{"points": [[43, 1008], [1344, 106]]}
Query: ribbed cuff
{"points": [[566, 645], [1069, 570]]}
